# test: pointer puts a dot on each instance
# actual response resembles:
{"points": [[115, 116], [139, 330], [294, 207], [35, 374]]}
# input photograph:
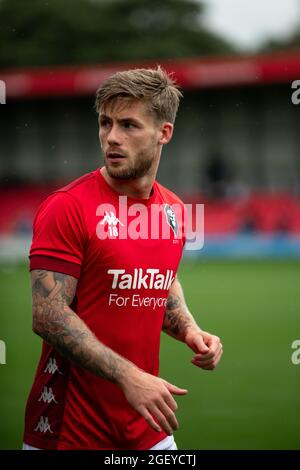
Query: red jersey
{"points": [[125, 264]]}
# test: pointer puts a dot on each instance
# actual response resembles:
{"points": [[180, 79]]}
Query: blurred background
{"points": [[236, 149]]}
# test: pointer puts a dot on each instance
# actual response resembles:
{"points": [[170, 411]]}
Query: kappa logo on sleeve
{"points": [[47, 396], [52, 367], [43, 425]]}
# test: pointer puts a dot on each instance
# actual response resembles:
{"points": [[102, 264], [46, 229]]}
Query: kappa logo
{"points": [[43, 425], [47, 396], [52, 367], [171, 218], [112, 222]]}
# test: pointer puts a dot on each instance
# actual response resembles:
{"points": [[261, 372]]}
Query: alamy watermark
{"points": [[295, 358], [2, 352], [2, 92], [154, 222], [296, 94]]}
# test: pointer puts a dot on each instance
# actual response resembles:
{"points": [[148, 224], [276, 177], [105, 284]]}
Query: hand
{"points": [[151, 397], [208, 348]]}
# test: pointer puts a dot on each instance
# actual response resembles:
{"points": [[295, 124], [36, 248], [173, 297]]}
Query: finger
{"points": [[206, 362], [212, 340], [173, 389], [198, 345], [208, 357], [213, 350], [161, 419], [204, 357], [215, 345], [210, 364], [145, 413], [169, 415], [170, 401]]}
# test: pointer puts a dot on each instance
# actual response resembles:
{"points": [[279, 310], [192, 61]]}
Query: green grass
{"points": [[251, 401]]}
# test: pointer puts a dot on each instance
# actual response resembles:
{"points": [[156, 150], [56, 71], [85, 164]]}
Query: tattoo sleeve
{"points": [[61, 327], [177, 319]]}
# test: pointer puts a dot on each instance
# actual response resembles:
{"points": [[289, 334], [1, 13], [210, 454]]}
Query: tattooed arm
{"points": [[58, 325], [178, 319], [61, 327], [180, 324]]}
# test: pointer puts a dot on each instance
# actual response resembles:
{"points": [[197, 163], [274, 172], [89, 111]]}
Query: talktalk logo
{"points": [[150, 278]]}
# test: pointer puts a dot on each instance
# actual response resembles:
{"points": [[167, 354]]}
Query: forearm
{"points": [[62, 328], [178, 319], [70, 336]]}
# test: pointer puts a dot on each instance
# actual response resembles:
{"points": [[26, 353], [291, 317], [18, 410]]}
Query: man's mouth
{"points": [[115, 156]]}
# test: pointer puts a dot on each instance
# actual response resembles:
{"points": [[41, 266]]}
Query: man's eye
{"points": [[128, 125], [103, 123]]}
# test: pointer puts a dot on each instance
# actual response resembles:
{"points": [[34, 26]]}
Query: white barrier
{"points": [[14, 248]]}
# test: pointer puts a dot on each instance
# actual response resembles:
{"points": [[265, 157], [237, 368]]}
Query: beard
{"points": [[133, 170]]}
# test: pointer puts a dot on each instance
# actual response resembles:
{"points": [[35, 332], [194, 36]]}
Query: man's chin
{"points": [[125, 171], [118, 172]]}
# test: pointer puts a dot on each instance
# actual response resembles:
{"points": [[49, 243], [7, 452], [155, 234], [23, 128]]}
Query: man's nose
{"points": [[113, 136]]}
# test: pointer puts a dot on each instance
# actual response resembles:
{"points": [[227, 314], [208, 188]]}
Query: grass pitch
{"points": [[251, 401]]}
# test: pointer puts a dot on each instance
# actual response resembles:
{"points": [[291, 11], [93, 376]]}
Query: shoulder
{"points": [[74, 195], [68, 201], [168, 196], [81, 187]]}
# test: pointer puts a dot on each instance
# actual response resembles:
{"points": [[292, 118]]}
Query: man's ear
{"points": [[166, 132]]}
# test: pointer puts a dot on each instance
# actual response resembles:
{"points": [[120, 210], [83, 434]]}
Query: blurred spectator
{"points": [[248, 225], [217, 176]]}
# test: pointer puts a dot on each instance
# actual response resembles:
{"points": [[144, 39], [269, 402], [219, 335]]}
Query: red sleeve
{"points": [[58, 236]]}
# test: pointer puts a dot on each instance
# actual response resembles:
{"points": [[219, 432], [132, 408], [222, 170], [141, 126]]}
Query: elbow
{"points": [[36, 330], [37, 325]]}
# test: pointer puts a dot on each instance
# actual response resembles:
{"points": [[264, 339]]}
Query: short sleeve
{"points": [[58, 235]]}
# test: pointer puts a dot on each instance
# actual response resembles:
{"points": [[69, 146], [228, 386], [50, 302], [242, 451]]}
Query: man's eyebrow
{"points": [[103, 116], [122, 120], [125, 118], [132, 119]]}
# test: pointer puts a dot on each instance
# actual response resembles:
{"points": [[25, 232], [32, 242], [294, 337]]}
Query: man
{"points": [[104, 285]]}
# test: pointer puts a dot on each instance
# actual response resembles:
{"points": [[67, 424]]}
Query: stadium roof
{"points": [[190, 73]]}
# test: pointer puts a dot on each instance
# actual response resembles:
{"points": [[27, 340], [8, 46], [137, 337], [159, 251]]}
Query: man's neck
{"points": [[136, 188]]}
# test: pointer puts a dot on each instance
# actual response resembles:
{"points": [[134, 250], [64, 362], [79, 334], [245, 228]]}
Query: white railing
{"points": [[14, 248]]}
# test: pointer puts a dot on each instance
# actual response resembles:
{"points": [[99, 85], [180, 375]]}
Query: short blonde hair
{"points": [[153, 86]]}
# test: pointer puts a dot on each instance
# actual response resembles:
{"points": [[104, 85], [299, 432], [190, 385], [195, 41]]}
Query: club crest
{"points": [[171, 218]]}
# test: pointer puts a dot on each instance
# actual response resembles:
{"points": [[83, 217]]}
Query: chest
{"points": [[134, 238]]}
